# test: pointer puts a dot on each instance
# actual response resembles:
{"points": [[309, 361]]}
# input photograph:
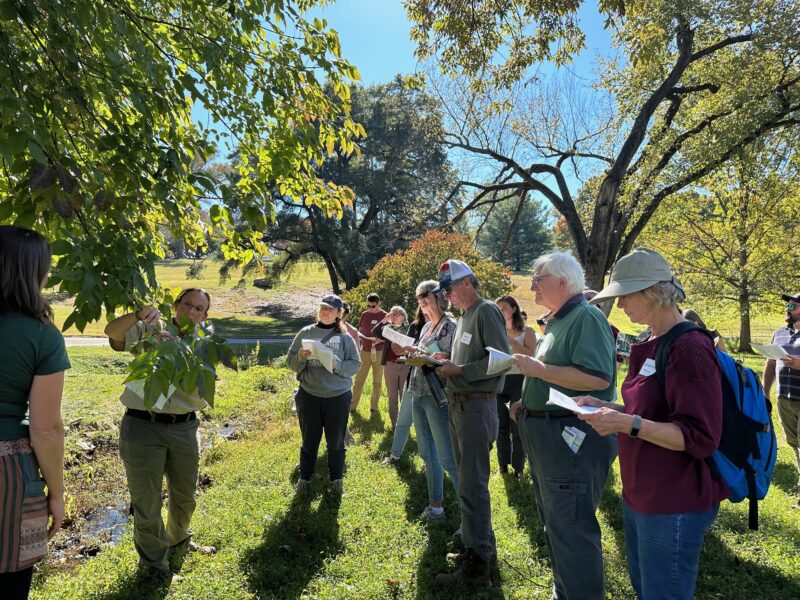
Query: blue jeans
{"points": [[432, 425], [403, 426], [664, 551]]}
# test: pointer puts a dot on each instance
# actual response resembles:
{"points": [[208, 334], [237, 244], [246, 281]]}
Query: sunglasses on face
{"points": [[372, 305], [791, 306], [423, 295]]}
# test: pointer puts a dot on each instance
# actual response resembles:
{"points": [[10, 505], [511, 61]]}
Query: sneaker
{"points": [[391, 460], [473, 571], [349, 440], [337, 485], [302, 486], [457, 558], [456, 538], [431, 516]]}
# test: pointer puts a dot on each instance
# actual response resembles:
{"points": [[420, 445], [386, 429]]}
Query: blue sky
{"points": [[375, 36]]}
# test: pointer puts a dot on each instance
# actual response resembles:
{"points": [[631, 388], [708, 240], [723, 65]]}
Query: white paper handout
{"points": [[321, 353], [564, 401], [396, 337], [772, 351], [137, 387], [498, 361]]}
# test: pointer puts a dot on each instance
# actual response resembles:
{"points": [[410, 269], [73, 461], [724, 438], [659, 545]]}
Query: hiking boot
{"points": [[391, 460], [302, 486], [473, 571], [188, 545], [430, 516], [337, 485], [161, 576]]}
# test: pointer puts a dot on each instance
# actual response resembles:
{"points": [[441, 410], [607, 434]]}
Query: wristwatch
{"points": [[637, 425]]}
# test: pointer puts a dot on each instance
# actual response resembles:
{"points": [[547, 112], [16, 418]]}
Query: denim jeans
{"points": [[317, 416], [403, 426], [431, 423], [664, 551]]}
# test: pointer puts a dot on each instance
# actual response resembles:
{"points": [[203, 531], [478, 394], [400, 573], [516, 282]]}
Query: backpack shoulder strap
{"points": [[665, 343]]}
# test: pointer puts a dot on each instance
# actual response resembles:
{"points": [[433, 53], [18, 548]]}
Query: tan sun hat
{"points": [[637, 271]]}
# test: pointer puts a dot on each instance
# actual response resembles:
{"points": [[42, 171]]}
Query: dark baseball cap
{"points": [[333, 301]]}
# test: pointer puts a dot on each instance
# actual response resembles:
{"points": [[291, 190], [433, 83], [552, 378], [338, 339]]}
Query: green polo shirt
{"points": [[29, 348], [577, 336]]}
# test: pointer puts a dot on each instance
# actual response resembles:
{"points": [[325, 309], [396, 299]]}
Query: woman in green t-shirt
{"points": [[32, 364]]}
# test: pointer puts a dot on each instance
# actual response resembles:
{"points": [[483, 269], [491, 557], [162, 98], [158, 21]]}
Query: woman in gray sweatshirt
{"points": [[323, 399]]}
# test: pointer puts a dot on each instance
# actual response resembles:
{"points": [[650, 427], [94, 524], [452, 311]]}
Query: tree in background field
{"points": [[399, 178], [515, 233], [99, 148], [690, 84], [736, 242], [395, 277]]}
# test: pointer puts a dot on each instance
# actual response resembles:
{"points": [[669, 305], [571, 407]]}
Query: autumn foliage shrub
{"points": [[396, 276]]}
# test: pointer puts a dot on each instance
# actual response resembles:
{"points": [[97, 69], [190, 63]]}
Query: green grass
{"points": [[370, 545]]}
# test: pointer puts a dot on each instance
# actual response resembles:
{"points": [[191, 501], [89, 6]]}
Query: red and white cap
{"points": [[450, 272]]}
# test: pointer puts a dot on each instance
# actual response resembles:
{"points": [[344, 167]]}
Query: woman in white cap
{"points": [[323, 398], [670, 497]]}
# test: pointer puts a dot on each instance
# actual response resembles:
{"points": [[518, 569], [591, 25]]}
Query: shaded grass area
{"points": [[369, 544]]}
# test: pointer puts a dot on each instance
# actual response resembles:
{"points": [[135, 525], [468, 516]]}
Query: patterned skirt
{"points": [[23, 507]]}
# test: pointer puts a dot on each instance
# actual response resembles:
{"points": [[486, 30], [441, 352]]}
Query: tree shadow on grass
{"points": [[295, 547], [365, 429], [785, 477], [138, 586], [722, 574]]}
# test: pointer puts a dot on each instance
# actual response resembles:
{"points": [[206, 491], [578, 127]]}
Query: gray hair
{"points": [[429, 286], [662, 295], [564, 266], [399, 309]]}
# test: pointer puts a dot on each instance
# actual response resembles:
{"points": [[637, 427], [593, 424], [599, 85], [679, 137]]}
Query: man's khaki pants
{"points": [[150, 451], [370, 359]]}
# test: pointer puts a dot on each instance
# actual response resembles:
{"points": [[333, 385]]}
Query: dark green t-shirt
{"points": [[29, 348], [581, 338]]}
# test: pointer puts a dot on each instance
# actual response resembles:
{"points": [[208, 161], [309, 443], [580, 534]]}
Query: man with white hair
{"points": [[569, 461]]}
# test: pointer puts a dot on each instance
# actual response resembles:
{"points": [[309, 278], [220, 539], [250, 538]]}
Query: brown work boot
{"points": [[473, 571]]}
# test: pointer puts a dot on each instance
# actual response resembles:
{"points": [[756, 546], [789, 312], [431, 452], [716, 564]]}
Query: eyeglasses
{"points": [[449, 288], [791, 306], [423, 295], [537, 278]]}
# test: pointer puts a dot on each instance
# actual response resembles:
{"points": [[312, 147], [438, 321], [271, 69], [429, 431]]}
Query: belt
{"points": [[472, 396], [546, 414], [164, 418]]}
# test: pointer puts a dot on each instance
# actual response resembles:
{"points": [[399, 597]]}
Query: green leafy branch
{"points": [[184, 357]]}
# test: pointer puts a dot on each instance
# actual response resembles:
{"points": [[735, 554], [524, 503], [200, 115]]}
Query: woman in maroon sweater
{"points": [[670, 497]]}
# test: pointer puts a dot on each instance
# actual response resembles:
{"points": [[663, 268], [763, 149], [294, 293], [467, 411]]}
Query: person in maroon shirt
{"points": [[371, 353], [670, 497]]}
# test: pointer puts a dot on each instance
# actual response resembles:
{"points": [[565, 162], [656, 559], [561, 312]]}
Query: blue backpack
{"points": [[745, 458]]}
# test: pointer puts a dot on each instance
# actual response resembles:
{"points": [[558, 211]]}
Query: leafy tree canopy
{"points": [[99, 149], [395, 277]]}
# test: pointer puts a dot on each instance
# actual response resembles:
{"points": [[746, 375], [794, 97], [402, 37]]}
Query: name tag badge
{"points": [[648, 368], [466, 338], [375, 321]]}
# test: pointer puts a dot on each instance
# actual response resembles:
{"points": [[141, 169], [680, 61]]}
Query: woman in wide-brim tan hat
{"points": [[670, 498]]}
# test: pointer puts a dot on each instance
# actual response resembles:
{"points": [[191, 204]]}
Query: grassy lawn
{"points": [[369, 544], [235, 304]]}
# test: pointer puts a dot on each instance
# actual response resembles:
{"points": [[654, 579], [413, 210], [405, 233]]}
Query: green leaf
{"points": [[37, 152]]}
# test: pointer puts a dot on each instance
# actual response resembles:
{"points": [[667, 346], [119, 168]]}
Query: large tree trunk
{"points": [[744, 320], [332, 274]]}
